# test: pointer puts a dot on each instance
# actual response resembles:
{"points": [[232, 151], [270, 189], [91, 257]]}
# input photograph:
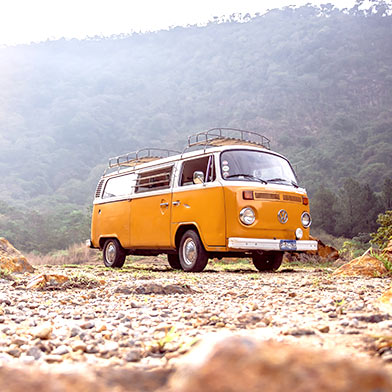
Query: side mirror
{"points": [[198, 177]]}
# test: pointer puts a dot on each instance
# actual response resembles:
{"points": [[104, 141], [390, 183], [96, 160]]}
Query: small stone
{"points": [[387, 357], [249, 318], [109, 347], [88, 325], [54, 358], [344, 323], [324, 328], [42, 331], [299, 332], [123, 290], [165, 327], [92, 349], [373, 318], [78, 346], [60, 350], [19, 341], [75, 331], [15, 352], [133, 355], [34, 352]]}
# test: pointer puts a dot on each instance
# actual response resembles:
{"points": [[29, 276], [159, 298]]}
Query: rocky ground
{"points": [[147, 316]]}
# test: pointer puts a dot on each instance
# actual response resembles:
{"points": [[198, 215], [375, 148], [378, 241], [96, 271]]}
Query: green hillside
{"points": [[317, 81]]}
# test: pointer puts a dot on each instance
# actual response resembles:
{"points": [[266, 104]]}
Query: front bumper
{"points": [[269, 244]]}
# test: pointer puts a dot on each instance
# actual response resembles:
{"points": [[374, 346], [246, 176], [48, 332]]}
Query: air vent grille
{"points": [[99, 189], [267, 196], [296, 199]]}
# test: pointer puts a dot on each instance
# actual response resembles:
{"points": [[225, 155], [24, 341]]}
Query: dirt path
{"points": [[148, 316]]}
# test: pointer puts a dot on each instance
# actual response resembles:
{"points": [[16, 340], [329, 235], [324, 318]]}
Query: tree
{"points": [[324, 213], [387, 194], [384, 232], [359, 207]]}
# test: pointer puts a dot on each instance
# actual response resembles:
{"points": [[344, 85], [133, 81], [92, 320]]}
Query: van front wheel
{"points": [[267, 261], [174, 261], [113, 254], [193, 257]]}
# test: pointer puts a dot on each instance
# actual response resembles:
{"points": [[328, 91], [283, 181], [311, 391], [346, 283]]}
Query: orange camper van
{"points": [[226, 195]]}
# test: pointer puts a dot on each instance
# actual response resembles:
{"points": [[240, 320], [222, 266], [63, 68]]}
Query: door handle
{"points": [[164, 204], [176, 203]]}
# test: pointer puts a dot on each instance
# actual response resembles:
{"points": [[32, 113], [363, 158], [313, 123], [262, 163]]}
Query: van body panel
{"points": [[111, 220], [150, 221], [204, 206]]}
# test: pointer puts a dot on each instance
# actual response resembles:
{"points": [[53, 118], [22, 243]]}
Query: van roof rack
{"points": [[227, 136], [134, 158]]}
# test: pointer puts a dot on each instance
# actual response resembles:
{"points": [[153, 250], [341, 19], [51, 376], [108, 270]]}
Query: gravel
{"points": [[149, 315]]}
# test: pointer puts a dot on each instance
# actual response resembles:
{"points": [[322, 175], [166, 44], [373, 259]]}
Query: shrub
{"points": [[384, 232]]}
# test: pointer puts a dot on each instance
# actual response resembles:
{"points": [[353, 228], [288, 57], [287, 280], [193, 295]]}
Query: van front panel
{"points": [[267, 205]]}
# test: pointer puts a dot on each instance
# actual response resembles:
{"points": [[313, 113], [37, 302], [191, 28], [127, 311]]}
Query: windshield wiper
{"points": [[247, 176], [284, 180]]}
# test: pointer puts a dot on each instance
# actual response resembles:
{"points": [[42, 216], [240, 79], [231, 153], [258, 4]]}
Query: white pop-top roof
{"points": [[137, 166]]}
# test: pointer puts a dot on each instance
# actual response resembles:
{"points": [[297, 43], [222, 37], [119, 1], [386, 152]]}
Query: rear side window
{"points": [[205, 165], [154, 180], [119, 186]]}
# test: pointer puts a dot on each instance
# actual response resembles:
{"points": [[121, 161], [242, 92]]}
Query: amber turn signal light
{"points": [[247, 195], [305, 200]]}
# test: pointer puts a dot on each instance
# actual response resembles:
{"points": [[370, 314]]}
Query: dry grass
{"points": [[75, 254]]}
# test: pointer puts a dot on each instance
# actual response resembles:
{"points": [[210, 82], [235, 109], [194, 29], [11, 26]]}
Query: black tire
{"points": [[174, 261], [193, 257], [113, 254], [267, 261]]}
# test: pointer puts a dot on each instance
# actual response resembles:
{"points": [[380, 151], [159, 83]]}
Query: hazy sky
{"points": [[24, 21]]}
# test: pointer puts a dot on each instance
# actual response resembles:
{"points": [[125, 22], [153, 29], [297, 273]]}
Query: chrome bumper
{"points": [[267, 244]]}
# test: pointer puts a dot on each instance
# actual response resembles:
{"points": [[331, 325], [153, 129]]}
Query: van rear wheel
{"points": [[193, 257], [113, 254], [174, 261], [267, 261]]}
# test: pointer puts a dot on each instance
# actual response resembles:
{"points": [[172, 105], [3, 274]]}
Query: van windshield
{"points": [[247, 165]]}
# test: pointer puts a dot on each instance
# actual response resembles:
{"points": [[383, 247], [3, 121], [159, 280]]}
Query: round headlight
{"points": [[299, 233], [247, 216], [306, 220]]}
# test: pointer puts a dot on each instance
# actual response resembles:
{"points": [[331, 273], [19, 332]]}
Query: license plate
{"points": [[288, 245]]}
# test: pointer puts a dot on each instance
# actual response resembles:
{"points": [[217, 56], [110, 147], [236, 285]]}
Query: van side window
{"points": [[154, 180], [119, 186], [205, 165]]}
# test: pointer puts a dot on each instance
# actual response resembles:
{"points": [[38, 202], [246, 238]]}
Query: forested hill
{"points": [[317, 81]]}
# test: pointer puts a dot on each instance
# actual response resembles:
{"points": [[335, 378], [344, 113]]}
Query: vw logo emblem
{"points": [[283, 216]]}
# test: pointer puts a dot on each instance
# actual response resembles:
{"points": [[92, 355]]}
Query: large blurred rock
{"points": [[365, 265], [32, 379], [324, 251], [385, 301], [238, 363], [42, 280], [11, 259]]}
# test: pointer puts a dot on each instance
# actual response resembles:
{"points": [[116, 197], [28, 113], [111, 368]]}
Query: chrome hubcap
{"points": [[189, 252], [111, 253]]}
